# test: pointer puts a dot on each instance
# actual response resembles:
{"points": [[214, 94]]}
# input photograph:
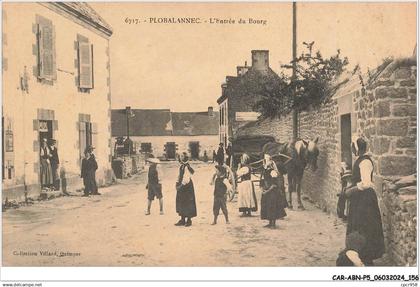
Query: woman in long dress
{"points": [[273, 200], [247, 200], [185, 196], [364, 214], [46, 171]]}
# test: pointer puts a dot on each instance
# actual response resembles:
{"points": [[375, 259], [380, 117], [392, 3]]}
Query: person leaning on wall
{"points": [[364, 215]]}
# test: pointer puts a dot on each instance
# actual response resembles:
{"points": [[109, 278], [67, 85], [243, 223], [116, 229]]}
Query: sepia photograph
{"points": [[228, 134]]}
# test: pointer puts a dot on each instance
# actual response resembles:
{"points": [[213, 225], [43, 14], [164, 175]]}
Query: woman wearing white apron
{"points": [[247, 200]]}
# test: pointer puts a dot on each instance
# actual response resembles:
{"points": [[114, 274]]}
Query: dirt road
{"points": [[112, 230]]}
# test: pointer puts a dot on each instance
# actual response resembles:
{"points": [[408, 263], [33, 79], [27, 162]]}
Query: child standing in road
{"points": [[220, 195], [154, 187]]}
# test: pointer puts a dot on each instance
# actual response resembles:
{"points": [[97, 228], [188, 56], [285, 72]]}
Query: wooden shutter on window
{"points": [[95, 135], [82, 138], [46, 57], [85, 65]]}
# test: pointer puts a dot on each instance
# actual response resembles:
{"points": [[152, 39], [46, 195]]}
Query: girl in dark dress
{"points": [[185, 196], [364, 214], [272, 201]]}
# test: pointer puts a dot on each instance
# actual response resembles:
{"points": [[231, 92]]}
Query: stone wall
{"points": [[382, 107], [400, 219]]}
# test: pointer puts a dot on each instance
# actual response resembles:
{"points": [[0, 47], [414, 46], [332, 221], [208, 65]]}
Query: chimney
{"points": [[210, 111], [223, 88], [260, 59]]}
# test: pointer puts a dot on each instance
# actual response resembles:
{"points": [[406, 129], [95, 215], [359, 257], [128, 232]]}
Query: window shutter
{"points": [[95, 135], [85, 65], [82, 138], [46, 51]]}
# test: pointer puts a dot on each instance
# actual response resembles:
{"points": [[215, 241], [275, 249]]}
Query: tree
{"points": [[312, 87]]}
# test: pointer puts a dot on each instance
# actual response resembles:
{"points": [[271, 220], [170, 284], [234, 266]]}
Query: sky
{"points": [[181, 66]]}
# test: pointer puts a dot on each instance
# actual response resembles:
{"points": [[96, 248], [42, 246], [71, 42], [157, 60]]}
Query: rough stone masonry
{"points": [[383, 108]]}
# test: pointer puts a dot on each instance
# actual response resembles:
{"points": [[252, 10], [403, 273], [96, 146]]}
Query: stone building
{"points": [[241, 92], [165, 134], [56, 84], [382, 107]]}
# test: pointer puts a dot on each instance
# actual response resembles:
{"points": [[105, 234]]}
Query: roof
{"points": [[195, 123], [163, 122], [84, 12], [144, 123], [249, 76]]}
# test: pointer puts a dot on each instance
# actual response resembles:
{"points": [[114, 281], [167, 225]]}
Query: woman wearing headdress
{"points": [[247, 200], [46, 171], [364, 214], [273, 200], [185, 196], [55, 163]]}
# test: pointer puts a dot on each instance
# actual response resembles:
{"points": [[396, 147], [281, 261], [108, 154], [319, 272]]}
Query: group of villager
{"points": [[364, 236], [49, 168]]}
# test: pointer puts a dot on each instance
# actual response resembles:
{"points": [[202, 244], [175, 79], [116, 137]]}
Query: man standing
{"points": [[55, 161], [89, 167], [185, 196]]}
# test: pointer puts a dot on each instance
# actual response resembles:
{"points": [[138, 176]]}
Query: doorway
{"points": [[194, 149], [170, 149], [45, 130], [346, 155]]}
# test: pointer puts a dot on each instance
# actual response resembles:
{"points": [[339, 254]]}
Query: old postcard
{"points": [[209, 134]]}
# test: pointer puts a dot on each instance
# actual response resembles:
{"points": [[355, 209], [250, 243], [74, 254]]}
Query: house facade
{"points": [[56, 85], [166, 134], [241, 92]]}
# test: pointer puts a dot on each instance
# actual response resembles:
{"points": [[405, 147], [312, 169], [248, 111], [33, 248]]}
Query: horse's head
{"points": [[312, 153]]}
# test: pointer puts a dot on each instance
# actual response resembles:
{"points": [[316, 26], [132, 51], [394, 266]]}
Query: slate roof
{"points": [[83, 11], [163, 122], [144, 123], [195, 123]]}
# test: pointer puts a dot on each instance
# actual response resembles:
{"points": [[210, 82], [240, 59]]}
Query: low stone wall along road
{"points": [[112, 230]]}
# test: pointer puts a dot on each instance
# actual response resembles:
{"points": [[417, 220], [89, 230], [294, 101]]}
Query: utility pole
{"points": [[294, 112], [128, 113]]}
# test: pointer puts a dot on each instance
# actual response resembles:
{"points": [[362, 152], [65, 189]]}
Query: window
{"points": [[87, 136], [85, 63], [46, 49], [146, 147]]}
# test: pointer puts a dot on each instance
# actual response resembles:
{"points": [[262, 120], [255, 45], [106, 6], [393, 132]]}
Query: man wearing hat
{"points": [[154, 186], [55, 161], [89, 167]]}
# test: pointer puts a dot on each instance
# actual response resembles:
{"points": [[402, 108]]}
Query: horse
{"points": [[292, 158]]}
